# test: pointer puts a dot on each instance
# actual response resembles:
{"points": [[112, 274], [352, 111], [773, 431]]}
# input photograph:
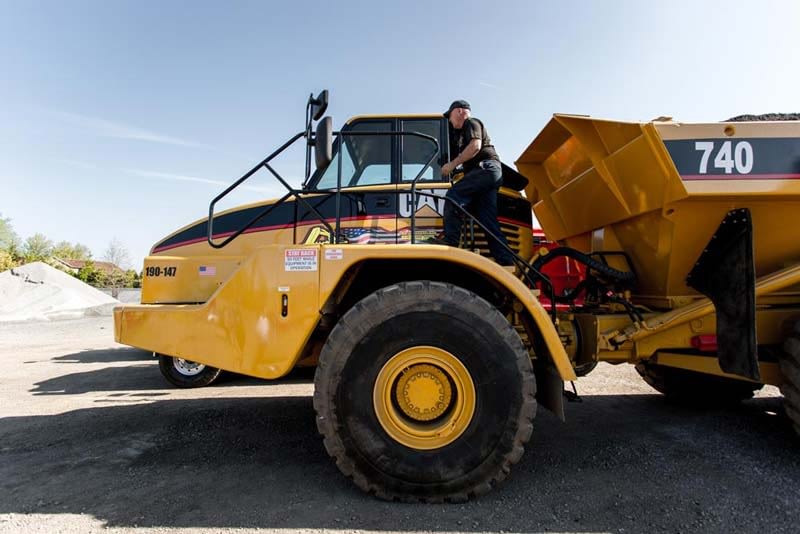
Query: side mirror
{"points": [[323, 142], [319, 105]]}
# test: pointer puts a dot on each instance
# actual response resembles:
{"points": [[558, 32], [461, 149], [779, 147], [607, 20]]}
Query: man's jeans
{"points": [[477, 192]]}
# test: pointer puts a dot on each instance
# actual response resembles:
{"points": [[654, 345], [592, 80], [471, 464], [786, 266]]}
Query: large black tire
{"points": [[692, 388], [186, 374], [393, 321], [790, 369]]}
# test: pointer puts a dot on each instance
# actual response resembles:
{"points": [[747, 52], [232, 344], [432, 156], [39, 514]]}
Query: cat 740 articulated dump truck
{"points": [[431, 360]]}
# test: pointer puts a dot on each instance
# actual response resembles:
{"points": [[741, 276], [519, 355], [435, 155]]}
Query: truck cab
{"points": [[374, 205]]}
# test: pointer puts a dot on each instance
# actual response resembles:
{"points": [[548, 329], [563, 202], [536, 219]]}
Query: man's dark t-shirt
{"points": [[472, 129]]}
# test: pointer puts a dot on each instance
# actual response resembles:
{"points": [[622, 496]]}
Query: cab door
{"points": [[368, 204], [414, 154]]}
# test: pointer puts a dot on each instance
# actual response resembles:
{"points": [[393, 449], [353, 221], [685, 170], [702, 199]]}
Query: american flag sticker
{"points": [[369, 236], [207, 270]]}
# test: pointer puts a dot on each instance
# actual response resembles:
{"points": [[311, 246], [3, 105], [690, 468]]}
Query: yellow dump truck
{"points": [[431, 360]]}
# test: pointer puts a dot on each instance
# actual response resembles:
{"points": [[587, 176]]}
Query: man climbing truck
{"points": [[431, 360]]}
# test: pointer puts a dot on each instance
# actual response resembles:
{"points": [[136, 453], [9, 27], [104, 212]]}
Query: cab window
{"points": [[416, 151], [366, 160]]}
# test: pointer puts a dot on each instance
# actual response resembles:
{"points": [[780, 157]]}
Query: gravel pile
{"points": [[766, 117], [37, 291]]}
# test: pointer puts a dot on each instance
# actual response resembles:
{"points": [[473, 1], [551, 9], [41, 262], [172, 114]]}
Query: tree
{"points": [[81, 252], [117, 254], [14, 253], [8, 237], [9, 245], [6, 260], [90, 274], [131, 278], [67, 251], [37, 248]]}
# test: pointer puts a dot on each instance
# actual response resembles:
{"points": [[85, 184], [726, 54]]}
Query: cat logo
{"points": [[425, 206]]}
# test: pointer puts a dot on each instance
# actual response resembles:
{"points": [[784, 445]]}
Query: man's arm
{"points": [[467, 154]]}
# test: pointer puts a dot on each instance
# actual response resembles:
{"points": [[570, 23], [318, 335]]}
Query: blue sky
{"points": [[123, 119]]}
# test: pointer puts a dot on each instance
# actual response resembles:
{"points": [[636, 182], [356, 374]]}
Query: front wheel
{"points": [[424, 392], [186, 373]]}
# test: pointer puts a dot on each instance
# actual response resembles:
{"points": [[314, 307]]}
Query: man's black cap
{"points": [[455, 105]]}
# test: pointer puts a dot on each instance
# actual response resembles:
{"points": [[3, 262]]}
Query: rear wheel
{"points": [[690, 387], [186, 373], [790, 369], [424, 392]]}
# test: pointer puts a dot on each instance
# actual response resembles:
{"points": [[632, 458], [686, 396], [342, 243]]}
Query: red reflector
{"points": [[705, 342]]}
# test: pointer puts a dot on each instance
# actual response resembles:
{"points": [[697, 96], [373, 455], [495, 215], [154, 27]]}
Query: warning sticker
{"points": [[300, 259], [334, 254]]}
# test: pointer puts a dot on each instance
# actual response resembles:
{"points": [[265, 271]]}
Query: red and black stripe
{"points": [[291, 214]]}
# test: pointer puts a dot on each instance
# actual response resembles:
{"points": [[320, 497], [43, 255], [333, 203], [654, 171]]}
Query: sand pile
{"points": [[37, 291]]}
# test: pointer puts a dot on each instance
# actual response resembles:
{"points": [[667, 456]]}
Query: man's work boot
{"points": [[438, 239]]}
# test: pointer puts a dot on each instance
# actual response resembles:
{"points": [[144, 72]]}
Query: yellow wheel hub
{"points": [[423, 392], [424, 397]]}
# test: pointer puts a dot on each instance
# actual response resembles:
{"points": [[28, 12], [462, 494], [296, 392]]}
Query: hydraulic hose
{"points": [[585, 259]]}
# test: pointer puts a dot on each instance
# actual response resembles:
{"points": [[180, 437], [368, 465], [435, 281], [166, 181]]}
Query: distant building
{"points": [[73, 266]]}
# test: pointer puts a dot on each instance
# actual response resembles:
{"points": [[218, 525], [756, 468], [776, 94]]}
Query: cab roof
{"points": [[396, 116]]}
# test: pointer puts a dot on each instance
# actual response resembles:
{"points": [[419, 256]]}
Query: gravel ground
{"points": [[92, 439]]}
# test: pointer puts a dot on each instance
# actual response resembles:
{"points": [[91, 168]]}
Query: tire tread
{"points": [[790, 369], [332, 361], [206, 377]]}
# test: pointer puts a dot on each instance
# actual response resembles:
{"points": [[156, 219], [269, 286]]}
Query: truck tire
{"points": [[790, 369], [692, 388], [185, 373], [424, 393]]}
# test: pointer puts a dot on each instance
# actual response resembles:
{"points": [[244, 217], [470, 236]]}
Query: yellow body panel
{"points": [[183, 279], [242, 329]]}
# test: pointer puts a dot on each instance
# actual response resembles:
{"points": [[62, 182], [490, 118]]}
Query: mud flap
{"points": [[725, 273], [549, 388]]}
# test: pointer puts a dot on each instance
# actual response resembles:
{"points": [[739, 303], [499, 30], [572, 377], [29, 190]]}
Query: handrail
{"points": [[297, 193], [526, 269]]}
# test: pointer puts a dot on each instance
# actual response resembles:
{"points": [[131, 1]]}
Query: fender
{"points": [[258, 322]]}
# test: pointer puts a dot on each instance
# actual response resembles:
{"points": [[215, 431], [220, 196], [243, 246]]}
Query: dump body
{"points": [[659, 190], [667, 195]]}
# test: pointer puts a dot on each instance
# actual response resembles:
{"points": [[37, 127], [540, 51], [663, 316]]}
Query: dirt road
{"points": [[92, 439]]}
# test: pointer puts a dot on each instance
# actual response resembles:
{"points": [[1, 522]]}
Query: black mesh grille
{"points": [[511, 232]]}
